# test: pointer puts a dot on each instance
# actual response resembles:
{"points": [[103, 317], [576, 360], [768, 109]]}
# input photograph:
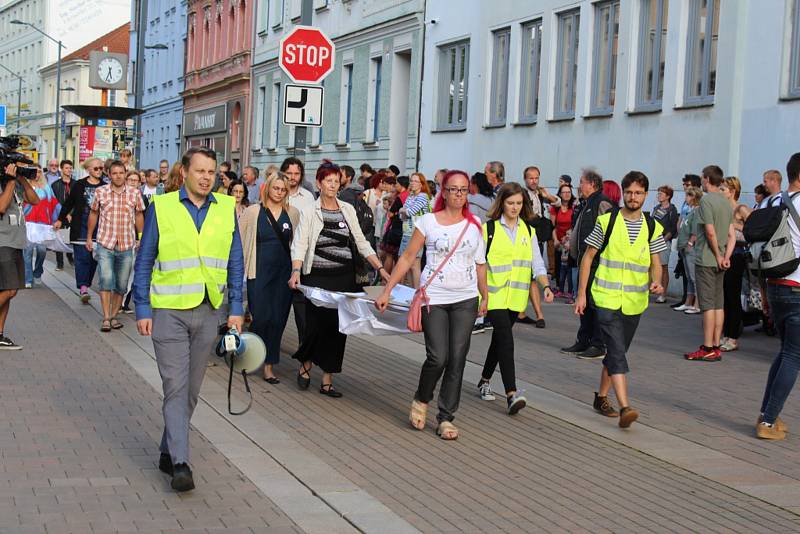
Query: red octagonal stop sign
{"points": [[306, 55]]}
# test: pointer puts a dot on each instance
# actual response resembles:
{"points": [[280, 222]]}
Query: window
{"points": [[567, 64], [499, 81], [652, 51], [606, 43], [374, 102], [345, 106], [277, 17], [316, 133], [260, 117], [453, 72], [794, 56], [701, 64], [531, 61], [275, 116]]}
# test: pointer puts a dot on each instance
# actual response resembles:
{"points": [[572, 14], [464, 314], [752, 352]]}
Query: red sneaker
{"points": [[704, 354]]}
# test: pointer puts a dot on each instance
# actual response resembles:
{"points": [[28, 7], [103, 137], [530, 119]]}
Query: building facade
{"points": [[75, 90], [371, 100], [217, 79], [25, 51], [662, 86], [164, 25]]}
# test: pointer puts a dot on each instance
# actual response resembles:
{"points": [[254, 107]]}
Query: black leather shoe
{"points": [[165, 464], [303, 381], [574, 348], [182, 478], [592, 353], [327, 389]]}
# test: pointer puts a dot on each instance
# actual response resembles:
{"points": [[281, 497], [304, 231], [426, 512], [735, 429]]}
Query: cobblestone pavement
{"points": [[531, 473], [80, 441]]}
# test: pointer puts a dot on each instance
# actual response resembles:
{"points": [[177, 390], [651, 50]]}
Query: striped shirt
{"points": [[596, 238], [116, 216]]}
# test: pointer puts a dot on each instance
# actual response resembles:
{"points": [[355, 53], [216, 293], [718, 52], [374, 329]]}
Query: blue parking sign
{"points": [[2, 116]]}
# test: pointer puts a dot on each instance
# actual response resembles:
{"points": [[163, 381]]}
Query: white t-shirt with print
{"points": [[458, 279]]}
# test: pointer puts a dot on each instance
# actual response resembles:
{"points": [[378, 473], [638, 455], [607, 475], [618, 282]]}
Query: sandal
{"points": [[272, 380], [105, 326], [328, 389], [304, 381], [419, 412], [447, 431], [115, 324]]}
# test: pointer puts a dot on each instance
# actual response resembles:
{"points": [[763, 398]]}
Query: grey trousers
{"points": [[182, 340], [448, 331]]}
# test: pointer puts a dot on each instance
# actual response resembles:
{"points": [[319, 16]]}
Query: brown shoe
{"points": [[627, 416], [603, 406], [779, 424], [764, 431]]}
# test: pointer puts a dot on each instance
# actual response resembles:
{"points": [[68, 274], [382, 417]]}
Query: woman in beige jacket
{"points": [[327, 246], [267, 229]]}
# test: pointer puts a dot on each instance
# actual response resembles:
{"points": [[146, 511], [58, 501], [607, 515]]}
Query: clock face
{"points": [[110, 70]]}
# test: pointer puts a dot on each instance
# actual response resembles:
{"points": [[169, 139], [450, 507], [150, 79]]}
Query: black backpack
{"points": [[769, 237], [651, 229]]}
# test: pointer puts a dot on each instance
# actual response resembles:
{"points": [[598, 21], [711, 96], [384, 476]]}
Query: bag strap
{"points": [[449, 254], [277, 230], [788, 201], [651, 226], [610, 229], [489, 235]]}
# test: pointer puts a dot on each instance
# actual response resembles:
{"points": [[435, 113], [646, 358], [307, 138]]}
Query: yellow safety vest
{"points": [[510, 267], [622, 280], [191, 264]]}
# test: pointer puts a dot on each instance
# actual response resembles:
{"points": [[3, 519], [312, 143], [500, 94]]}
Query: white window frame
{"points": [[530, 71], [274, 115], [793, 85], [345, 104], [655, 102], [260, 117], [374, 99], [447, 120], [604, 105], [497, 110], [279, 7], [705, 97], [573, 50]]}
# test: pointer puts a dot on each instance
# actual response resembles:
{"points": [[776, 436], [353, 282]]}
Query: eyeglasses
{"points": [[635, 193], [457, 190], [97, 168]]}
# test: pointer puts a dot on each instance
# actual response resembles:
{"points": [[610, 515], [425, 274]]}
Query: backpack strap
{"points": [[607, 235], [490, 224], [651, 226], [788, 201]]}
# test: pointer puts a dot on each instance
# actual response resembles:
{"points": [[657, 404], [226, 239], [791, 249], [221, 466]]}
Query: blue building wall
{"points": [[163, 81]]}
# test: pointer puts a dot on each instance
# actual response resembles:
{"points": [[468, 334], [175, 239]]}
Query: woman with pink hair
{"points": [[454, 276]]}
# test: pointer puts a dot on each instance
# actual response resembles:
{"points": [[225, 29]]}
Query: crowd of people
{"points": [[478, 250]]}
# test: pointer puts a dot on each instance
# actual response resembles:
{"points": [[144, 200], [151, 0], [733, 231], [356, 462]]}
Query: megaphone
{"points": [[244, 353]]}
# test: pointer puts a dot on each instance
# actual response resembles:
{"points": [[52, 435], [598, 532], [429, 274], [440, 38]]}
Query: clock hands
{"points": [[109, 76]]}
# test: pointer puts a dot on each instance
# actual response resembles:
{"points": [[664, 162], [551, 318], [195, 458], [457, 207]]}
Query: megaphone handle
{"points": [[246, 385]]}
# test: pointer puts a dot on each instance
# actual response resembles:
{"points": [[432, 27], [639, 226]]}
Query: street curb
{"points": [[309, 491]]}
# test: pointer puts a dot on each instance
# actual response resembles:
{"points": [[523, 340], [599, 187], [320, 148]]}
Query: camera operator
{"points": [[13, 240]]}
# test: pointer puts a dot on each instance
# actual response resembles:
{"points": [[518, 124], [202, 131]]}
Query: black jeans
{"points": [[618, 330], [589, 330], [732, 288], [60, 259], [448, 331], [501, 349]]}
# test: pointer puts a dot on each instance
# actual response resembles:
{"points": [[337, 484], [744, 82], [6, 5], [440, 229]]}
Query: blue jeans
{"points": [[85, 266], [33, 271], [115, 269], [784, 303]]}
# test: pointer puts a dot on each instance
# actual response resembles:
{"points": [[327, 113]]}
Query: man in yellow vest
{"points": [[628, 243], [190, 252]]}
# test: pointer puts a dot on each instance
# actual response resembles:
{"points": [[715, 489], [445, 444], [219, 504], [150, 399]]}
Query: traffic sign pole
{"points": [[301, 132]]}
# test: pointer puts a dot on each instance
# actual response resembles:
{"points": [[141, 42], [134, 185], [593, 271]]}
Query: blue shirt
{"points": [[148, 251]]}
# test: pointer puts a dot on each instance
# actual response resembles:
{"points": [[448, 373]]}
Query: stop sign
{"points": [[306, 55]]}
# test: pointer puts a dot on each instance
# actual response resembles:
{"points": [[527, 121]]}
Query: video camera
{"points": [[9, 154]]}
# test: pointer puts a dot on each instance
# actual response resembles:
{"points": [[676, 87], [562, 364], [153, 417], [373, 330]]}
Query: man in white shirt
{"points": [[299, 197], [538, 195], [784, 301], [772, 183]]}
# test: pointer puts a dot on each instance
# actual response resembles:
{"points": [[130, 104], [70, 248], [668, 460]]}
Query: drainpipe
{"points": [[421, 78]]}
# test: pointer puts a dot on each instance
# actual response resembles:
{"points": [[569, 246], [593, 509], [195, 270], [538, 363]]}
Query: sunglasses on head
{"points": [[97, 168]]}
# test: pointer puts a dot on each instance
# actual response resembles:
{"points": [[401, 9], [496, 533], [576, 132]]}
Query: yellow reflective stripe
{"points": [[495, 289], [616, 286], [185, 289], [176, 265], [216, 263], [500, 268], [612, 264], [522, 263], [519, 285], [636, 289]]}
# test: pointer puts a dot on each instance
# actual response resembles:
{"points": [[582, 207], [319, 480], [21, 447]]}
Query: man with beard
{"points": [[628, 244]]}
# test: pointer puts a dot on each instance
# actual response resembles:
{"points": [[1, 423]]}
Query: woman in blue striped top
{"points": [[417, 204]]}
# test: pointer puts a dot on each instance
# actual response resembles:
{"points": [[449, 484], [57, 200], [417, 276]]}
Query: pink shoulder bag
{"points": [[414, 320]]}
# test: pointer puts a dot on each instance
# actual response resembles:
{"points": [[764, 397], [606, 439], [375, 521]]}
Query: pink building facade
{"points": [[217, 78]]}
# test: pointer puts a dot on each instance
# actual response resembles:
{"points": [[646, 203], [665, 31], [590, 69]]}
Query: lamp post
{"points": [[19, 95], [58, 80]]}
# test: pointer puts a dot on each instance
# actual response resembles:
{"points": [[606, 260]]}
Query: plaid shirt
{"points": [[116, 216]]}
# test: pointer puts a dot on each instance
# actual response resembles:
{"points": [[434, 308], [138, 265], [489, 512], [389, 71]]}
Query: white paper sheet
{"points": [[357, 315]]}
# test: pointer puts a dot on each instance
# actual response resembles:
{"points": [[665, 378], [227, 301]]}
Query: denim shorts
{"points": [[114, 268]]}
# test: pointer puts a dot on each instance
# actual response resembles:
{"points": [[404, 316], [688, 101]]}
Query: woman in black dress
{"points": [[267, 230], [327, 244]]}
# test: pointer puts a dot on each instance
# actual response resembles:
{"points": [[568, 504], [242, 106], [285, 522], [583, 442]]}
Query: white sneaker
{"points": [[692, 311], [682, 307], [485, 391], [661, 299]]}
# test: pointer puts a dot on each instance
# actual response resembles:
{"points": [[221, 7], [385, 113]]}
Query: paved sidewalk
{"points": [[80, 441]]}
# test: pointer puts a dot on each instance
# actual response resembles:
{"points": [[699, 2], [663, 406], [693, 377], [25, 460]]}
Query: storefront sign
{"points": [[204, 121]]}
